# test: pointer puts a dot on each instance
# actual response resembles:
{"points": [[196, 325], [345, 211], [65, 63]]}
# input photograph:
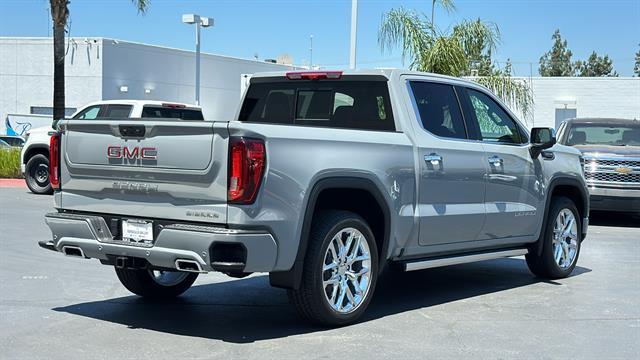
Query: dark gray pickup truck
{"points": [[611, 152], [323, 180]]}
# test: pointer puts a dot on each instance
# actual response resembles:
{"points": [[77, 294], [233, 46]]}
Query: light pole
{"points": [[354, 30], [199, 21], [311, 52]]}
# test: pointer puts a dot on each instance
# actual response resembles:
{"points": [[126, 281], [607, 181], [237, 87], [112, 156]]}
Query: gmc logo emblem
{"points": [[132, 153]]}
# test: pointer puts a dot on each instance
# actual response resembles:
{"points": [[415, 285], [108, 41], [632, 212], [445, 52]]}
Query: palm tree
{"points": [[59, 16], [464, 51], [446, 4]]}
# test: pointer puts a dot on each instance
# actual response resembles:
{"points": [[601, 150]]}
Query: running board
{"points": [[454, 260]]}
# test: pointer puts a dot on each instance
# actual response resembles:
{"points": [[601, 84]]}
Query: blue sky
{"points": [[272, 27]]}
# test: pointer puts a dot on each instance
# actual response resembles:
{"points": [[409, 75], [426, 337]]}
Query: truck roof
{"points": [[142, 103], [386, 72], [603, 121]]}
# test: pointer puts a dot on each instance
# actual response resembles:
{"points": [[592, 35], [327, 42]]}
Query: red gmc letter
{"points": [[114, 152]]}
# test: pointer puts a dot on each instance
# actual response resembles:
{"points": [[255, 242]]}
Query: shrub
{"points": [[10, 163]]}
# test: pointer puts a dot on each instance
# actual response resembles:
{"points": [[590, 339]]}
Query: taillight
{"points": [[247, 160], [54, 161], [314, 75]]}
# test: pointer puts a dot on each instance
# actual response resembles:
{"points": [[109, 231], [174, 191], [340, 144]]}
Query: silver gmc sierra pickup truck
{"points": [[323, 180]]}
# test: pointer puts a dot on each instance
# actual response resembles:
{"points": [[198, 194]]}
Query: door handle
{"points": [[433, 159], [495, 161]]}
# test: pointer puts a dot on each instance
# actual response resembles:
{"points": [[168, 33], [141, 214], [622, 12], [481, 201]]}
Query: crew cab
{"points": [[322, 179], [34, 163]]}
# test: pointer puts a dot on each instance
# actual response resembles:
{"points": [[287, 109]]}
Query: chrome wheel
{"points": [[565, 239], [168, 278], [346, 271]]}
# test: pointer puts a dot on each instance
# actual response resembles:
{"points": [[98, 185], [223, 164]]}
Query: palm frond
{"points": [[448, 5], [141, 5], [516, 93], [446, 57], [477, 37], [406, 29]]}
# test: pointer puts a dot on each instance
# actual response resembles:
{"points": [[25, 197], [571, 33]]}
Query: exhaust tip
{"points": [[188, 265], [73, 251]]}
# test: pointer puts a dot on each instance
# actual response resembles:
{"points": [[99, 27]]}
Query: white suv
{"points": [[35, 153]]}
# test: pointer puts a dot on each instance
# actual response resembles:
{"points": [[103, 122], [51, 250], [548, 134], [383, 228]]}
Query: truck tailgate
{"points": [[148, 169]]}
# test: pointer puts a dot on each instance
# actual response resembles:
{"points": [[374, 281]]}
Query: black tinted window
{"points": [[333, 103], [439, 109], [171, 113], [117, 112], [13, 141]]}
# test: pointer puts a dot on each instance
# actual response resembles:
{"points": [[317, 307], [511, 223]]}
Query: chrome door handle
{"points": [[433, 159], [495, 161]]}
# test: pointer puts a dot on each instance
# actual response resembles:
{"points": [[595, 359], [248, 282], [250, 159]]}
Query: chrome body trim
{"points": [[426, 264]]}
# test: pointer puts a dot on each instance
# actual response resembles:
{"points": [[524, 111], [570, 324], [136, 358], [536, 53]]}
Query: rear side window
{"points": [[348, 104], [117, 112], [90, 113], [171, 113], [439, 109]]}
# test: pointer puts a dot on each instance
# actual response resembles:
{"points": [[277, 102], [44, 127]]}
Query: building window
{"points": [[48, 110]]}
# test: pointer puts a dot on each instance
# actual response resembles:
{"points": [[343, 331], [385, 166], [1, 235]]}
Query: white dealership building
{"points": [[105, 69]]}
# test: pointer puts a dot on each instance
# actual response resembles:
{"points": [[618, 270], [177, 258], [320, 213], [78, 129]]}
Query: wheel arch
{"points": [[573, 189], [330, 186], [34, 150]]}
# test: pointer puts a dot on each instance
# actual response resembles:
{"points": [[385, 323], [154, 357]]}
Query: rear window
{"points": [[117, 112], [334, 103], [171, 113]]}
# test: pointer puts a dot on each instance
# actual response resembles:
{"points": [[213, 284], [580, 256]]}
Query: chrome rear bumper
{"points": [[190, 243]]}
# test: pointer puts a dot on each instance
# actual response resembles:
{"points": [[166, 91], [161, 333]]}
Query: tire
{"points": [[37, 175], [568, 246], [142, 282], [325, 304]]}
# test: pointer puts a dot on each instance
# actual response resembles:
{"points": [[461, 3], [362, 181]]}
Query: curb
{"points": [[12, 183]]}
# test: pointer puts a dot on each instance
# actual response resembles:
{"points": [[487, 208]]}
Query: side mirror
{"points": [[541, 139]]}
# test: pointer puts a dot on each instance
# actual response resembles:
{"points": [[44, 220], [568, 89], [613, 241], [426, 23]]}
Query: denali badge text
{"points": [[132, 153], [135, 186]]}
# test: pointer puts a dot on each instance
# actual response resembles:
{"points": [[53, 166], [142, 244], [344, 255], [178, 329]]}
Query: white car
{"points": [[34, 163]]}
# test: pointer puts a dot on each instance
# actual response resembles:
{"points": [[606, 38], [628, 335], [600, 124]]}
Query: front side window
{"points": [[348, 104], [439, 109], [495, 124], [90, 113]]}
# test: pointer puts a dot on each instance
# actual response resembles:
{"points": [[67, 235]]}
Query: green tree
{"points": [[60, 16], [636, 67], [595, 66], [557, 62], [466, 50], [479, 39]]}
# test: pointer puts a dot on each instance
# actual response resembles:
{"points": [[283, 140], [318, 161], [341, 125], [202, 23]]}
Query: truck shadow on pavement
{"points": [[617, 219], [249, 310]]}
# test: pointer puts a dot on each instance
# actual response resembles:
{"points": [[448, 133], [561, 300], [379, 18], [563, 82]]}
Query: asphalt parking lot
{"points": [[57, 307]]}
